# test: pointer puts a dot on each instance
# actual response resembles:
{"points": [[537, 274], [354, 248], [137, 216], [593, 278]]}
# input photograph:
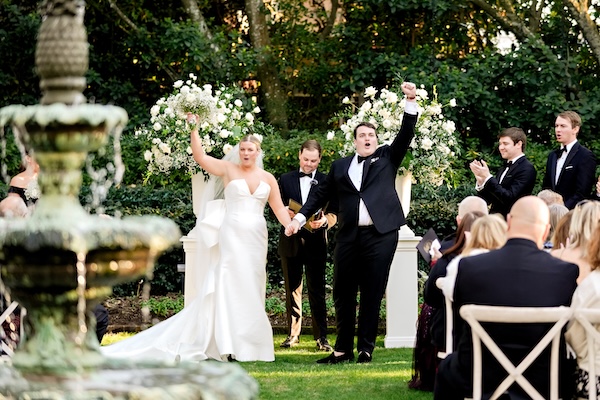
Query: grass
{"points": [[296, 375]]}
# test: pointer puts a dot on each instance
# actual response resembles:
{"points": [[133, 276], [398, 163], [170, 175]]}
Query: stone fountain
{"points": [[62, 261]]}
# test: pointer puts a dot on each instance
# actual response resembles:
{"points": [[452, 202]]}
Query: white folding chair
{"points": [[474, 314], [589, 318], [449, 321]]}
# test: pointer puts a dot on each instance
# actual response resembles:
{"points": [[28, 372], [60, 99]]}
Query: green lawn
{"points": [[296, 375]]}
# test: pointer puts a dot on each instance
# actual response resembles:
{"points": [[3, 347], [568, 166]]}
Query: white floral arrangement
{"points": [[434, 146], [226, 115]]}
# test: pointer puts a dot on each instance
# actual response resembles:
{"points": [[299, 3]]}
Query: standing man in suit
{"points": [[570, 170], [307, 250], [513, 181], [369, 216], [520, 274]]}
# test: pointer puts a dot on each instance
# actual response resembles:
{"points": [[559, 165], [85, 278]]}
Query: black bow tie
{"points": [[561, 150], [508, 164], [361, 158], [303, 174]]}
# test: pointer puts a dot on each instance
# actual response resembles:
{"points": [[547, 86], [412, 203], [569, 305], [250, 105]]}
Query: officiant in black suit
{"points": [[306, 251], [369, 216], [520, 274], [570, 170], [514, 180]]}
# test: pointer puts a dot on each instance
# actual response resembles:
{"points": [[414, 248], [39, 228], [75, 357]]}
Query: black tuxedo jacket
{"points": [[518, 274], [577, 178], [518, 182], [377, 191], [289, 186]]}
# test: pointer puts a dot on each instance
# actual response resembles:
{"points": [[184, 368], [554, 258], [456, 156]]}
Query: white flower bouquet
{"points": [[434, 146], [225, 116]]}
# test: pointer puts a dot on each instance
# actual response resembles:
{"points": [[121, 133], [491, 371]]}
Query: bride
{"points": [[227, 320]]}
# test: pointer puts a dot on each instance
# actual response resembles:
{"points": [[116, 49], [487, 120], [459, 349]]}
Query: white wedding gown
{"points": [[228, 316]]}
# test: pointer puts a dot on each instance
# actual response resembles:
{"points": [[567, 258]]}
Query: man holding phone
{"points": [[306, 250], [514, 180]]}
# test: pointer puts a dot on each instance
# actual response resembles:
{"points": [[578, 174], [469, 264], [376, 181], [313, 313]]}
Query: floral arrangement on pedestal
{"points": [[434, 146], [226, 114]]}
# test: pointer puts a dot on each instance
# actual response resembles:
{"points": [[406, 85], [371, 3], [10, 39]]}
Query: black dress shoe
{"points": [[291, 341], [364, 357], [333, 359]]}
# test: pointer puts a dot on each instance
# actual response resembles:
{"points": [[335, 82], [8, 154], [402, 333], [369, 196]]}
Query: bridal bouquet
{"points": [[434, 146], [225, 115]]}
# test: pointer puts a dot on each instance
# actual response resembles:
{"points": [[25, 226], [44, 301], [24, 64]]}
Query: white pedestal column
{"points": [[402, 289], [189, 244], [402, 294]]}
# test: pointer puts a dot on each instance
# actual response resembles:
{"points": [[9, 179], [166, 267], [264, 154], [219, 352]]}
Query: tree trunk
{"points": [[579, 10], [275, 97], [192, 9]]}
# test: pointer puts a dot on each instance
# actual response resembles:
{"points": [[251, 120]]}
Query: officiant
{"points": [[306, 251]]}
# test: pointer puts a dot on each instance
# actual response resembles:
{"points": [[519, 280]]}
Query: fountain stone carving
{"points": [[62, 261]]}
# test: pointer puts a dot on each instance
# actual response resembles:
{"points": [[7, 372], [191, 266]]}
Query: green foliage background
{"points": [[132, 65]]}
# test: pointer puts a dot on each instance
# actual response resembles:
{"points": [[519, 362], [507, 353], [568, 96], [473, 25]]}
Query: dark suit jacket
{"points": [[289, 186], [378, 191], [518, 274], [518, 182], [577, 178]]}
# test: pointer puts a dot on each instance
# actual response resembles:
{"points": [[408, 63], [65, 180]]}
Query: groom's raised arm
{"points": [[399, 146]]}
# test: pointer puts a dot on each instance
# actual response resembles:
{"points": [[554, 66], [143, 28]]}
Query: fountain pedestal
{"points": [[61, 261]]}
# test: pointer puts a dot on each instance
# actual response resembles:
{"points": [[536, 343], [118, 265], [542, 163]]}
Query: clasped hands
{"points": [[480, 169], [292, 228]]}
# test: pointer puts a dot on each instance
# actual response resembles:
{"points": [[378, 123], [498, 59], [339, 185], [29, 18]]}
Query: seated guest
{"points": [[550, 197], [432, 295], [467, 205], [584, 221], [587, 295], [490, 279], [560, 237], [487, 233], [557, 211], [23, 191]]}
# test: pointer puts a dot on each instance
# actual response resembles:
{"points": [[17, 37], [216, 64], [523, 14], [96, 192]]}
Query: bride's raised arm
{"points": [[209, 164], [276, 203]]}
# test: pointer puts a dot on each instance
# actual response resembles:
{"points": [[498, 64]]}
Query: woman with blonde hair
{"points": [[584, 221], [587, 295], [487, 233]]}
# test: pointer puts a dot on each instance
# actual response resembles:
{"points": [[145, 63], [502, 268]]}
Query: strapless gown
{"points": [[228, 316]]}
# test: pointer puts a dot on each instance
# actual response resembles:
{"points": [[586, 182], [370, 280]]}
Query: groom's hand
{"points": [[292, 228], [410, 90]]}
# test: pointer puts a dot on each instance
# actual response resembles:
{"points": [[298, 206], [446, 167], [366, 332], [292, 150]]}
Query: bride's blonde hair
{"points": [[252, 139]]}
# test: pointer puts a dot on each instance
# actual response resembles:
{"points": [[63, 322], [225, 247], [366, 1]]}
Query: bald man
{"points": [[519, 274]]}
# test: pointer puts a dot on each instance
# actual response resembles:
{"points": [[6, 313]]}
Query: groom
{"points": [[369, 216]]}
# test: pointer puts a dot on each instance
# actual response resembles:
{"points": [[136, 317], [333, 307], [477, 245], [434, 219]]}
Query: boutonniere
{"points": [[314, 182], [374, 159]]}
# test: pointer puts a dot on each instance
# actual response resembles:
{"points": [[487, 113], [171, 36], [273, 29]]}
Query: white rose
{"points": [[387, 124], [188, 150], [178, 84], [164, 148], [157, 126], [366, 106], [148, 155], [256, 110], [370, 91], [392, 98], [453, 103], [346, 100], [154, 110], [238, 103], [155, 141], [224, 133], [221, 118], [207, 87], [227, 148], [184, 89], [330, 135], [426, 143], [249, 117]]}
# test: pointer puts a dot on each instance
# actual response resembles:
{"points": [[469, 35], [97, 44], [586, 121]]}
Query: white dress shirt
{"points": [[560, 162]]}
